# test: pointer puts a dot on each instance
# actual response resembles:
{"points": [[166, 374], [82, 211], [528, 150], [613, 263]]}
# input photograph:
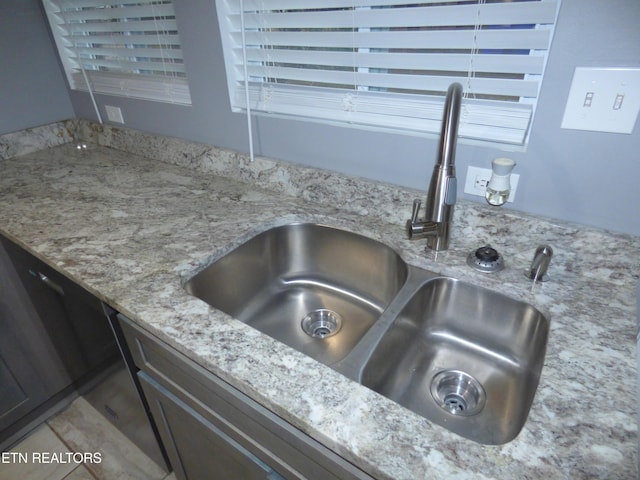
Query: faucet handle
{"points": [[414, 225], [417, 227], [415, 211]]}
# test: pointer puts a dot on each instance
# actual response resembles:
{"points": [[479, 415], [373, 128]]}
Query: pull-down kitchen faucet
{"points": [[441, 196]]}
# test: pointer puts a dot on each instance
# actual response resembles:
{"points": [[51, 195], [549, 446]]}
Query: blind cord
{"points": [[93, 98], [474, 51], [246, 81], [82, 69]]}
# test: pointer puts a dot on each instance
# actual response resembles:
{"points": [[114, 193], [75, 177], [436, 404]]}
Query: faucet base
{"points": [[419, 229], [440, 241]]}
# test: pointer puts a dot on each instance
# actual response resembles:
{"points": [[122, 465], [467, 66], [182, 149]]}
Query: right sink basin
{"points": [[464, 357]]}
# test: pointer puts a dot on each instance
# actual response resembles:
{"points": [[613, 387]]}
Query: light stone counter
{"points": [[132, 229]]}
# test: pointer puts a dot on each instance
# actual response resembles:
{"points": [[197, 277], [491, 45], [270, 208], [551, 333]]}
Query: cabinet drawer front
{"points": [[274, 441]]}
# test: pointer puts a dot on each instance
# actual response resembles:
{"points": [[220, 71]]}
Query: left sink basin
{"points": [[315, 288]]}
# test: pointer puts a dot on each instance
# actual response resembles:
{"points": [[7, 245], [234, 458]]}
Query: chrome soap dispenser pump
{"points": [[499, 186]]}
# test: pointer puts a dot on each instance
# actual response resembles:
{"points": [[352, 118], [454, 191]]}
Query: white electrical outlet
{"points": [[114, 114], [478, 179]]}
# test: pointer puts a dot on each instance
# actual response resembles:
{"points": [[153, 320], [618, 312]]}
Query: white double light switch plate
{"points": [[603, 100]]}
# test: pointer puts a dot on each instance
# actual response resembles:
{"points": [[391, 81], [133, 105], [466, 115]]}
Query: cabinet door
{"points": [[42, 306], [73, 318], [196, 447], [30, 369], [86, 318], [20, 388], [54, 336]]}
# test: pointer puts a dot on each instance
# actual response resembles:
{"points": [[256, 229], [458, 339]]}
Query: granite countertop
{"points": [[132, 216]]}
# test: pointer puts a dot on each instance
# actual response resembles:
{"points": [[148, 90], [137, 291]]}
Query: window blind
{"points": [[388, 63], [123, 48]]}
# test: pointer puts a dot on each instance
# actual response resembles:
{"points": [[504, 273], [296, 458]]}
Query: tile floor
{"points": [[79, 428]]}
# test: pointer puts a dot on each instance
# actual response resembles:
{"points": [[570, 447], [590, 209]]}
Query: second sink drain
{"points": [[322, 323], [458, 393]]}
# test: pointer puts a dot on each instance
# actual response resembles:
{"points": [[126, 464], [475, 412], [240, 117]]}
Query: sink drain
{"points": [[458, 393], [321, 323]]}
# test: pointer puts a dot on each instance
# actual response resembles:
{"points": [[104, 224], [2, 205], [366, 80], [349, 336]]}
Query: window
{"points": [[386, 64], [118, 47]]}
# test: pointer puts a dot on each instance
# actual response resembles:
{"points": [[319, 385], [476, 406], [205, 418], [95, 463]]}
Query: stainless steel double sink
{"points": [[464, 357]]}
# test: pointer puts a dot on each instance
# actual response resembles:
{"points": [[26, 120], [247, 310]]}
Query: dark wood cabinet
{"points": [[211, 430], [54, 337]]}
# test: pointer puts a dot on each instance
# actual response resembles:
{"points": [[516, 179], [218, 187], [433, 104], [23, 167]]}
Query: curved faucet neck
{"points": [[449, 129]]}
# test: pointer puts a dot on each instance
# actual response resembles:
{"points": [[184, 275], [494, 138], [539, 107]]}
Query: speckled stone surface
{"points": [[132, 216], [38, 138]]}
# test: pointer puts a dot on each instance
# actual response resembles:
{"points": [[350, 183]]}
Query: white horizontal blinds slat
{"points": [[161, 68], [496, 49], [123, 27], [427, 83], [429, 16], [436, 61], [324, 4], [81, 4], [125, 12], [125, 52], [118, 44], [132, 40], [452, 40]]}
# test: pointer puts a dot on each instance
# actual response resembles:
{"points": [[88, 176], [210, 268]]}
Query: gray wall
{"points": [[585, 177], [32, 88]]}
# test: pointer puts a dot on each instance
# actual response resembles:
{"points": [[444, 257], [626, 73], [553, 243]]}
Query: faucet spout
{"points": [[442, 193]]}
